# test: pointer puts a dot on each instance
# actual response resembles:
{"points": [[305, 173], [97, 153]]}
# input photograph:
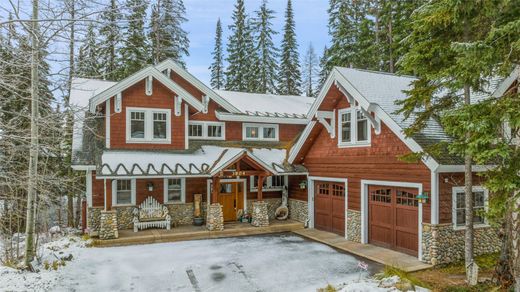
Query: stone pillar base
{"points": [[260, 214], [215, 220], [108, 225]]}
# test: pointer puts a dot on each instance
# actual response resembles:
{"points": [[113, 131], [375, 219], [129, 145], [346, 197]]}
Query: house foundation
{"points": [[108, 225], [215, 220]]}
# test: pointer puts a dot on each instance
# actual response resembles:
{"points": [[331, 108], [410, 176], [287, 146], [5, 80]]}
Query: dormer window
{"points": [[148, 125], [353, 128]]}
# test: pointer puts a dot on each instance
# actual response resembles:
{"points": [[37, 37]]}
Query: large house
{"points": [[162, 133]]}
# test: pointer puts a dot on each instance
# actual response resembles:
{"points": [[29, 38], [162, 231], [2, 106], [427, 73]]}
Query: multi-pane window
{"points": [[206, 130], [346, 127], [405, 198], [381, 195], [277, 181], [260, 132], [459, 205], [123, 192], [148, 125], [338, 190], [353, 128], [159, 125], [271, 183], [137, 124], [174, 190]]}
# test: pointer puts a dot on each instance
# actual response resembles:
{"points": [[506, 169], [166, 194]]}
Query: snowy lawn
{"points": [[283, 262]]}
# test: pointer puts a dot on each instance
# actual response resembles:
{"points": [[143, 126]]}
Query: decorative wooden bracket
{"points": [[148, 85], [330, 127], [118, 102], [177, 105], [349, 97], [168, 72], [376, 122], [205, 102]]}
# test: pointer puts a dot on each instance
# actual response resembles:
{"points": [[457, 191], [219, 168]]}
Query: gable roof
{"points": [[138, 76], [377, 92]]}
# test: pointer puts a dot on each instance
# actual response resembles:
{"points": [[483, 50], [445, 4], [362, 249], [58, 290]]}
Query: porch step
{"points": [[374, 253], [188, 232]]}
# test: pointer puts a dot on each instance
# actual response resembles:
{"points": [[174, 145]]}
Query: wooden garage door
{"points": [[329, 207], [393, 218]]}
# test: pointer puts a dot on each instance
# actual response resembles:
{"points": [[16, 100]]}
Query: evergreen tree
{"points": [[217, 67], [168, 38], [325, 67], [111, 41], [289, 77], [88, 58], [310, 72], [265, 50], [134, 53], [238, 49]]}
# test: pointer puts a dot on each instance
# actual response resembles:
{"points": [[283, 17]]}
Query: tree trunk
{"points": [[68, 125], [33, 155], [515, 241]]}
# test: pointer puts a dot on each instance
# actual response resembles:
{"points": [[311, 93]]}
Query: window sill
{"points": [[174, 203], [124, 205], [207, 138], [148, 142], [260, 140], [353, 145], [267, 190], [476, 226]]}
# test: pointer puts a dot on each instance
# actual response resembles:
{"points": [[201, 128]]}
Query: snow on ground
{"points": [[259, 263]]}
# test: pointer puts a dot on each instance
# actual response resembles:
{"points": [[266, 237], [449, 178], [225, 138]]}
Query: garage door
{"points": [[329, 207], [393, 221]]}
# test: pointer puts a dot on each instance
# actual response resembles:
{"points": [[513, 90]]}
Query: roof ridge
{"points": [[379, 72]]}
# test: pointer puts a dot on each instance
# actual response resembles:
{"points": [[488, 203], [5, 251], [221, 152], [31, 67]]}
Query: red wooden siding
{"points": [[446, 183], [295, 192]]}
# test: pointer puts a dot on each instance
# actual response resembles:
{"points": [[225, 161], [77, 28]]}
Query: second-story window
{"points": [[353, 128], [206, 130], [260, 132], [147, 125]]}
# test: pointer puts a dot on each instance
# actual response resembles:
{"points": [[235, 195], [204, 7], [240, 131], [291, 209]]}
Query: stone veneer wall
{"points": [[93, 220], [260, 214], [125, 217], [108, 225], [182, 214], [272, 205], [353, 225], [215, 219], [298, 210], [442, 244]]}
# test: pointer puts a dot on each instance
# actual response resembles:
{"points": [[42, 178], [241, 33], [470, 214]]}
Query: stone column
{"points": [[108, 225], [260, 214], [215, 220], [93, 217]]}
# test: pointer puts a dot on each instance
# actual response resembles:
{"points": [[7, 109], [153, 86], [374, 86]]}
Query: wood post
{"points": [[215, 190], [260, 186]]}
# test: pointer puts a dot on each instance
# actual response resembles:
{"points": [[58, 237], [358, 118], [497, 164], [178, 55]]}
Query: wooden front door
{"points": [[393, 218], [329, 207], [231, 197]]}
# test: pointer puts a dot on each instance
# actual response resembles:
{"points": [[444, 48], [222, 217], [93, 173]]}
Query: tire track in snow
{"points": [[246, 276], [193, 280]]}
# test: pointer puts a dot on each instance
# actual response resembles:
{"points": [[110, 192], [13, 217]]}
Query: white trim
{"points": [[183, 191], [132, 193], [461, 168], [242, 180], [364, 207], [83, 167], [329, 126], [353, 129], [205, 125], [251, 155], [177, 106], [461, 189], [149, 176], [311, 180], [186, 130], [118, 103], [261, 128], [149, 85], [107, 124], [269, 182], [507, 82], [148, 125], [259, 119], [88, 187], [145, 73], [105, 194], [170, 64], [434, 197], [304, 136]]}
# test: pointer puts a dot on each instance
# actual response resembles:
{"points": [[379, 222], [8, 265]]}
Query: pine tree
{"points": [[310, 72], [111, 41], [88, 58], [168, 38], [134, 53], [289, 73], [237, 50], [252, 59], [325, 67], [217, 67], [265, 50]]}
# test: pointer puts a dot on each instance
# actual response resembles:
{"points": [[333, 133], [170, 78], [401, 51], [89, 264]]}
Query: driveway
{"points": [[281, 262]]}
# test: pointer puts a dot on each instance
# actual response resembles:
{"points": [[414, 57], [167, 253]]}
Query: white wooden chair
{"points": [[151, 214]]}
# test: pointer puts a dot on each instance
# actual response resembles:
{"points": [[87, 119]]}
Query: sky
{"points": [[310, 17]]}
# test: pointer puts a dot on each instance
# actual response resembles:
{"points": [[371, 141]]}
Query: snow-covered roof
{"points": [[82, 90], [268, 104], [205, 161]]}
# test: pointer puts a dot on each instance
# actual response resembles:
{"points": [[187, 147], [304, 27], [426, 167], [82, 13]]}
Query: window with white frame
{"points": [[146, 125], [262, 132], [353, 128], [206, 130], [123, 191], [480, 197], [174, 190], [271, 183]]}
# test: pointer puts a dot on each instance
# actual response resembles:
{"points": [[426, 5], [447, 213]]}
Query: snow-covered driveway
{"points": [[283, 262]]}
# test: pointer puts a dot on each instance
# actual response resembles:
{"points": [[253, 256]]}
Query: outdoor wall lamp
{"points": [[422, 198], [149, 185], [303, 184]]}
